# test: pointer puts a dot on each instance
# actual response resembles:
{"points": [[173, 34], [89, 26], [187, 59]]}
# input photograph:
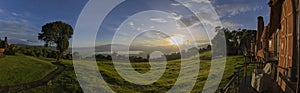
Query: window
{"points": [[276, 43], [270, 43]]}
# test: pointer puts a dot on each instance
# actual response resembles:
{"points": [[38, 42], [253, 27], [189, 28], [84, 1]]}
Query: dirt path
{"points": [[44, 81]]}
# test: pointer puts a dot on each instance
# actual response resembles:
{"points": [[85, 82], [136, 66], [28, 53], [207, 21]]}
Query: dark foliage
{"points": [[236, 40], [56, 34]]}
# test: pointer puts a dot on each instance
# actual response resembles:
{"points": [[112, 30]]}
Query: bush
{"points": [[68, 57]]}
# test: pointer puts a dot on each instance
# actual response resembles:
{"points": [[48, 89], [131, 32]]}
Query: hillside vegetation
{"points": [[21, 69], [118, 84], [68, 83]]}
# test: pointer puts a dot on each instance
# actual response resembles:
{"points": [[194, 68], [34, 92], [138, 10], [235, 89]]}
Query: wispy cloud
{"points": [[232, 25], [191, 3], [131, 23], [159, 20], [176, 4], [1, 11], [14, 14], [175, 16], [201, 1], [232, 10], [224, 10], [19, 31], [154, 35], [188, 21], [150, 38]]}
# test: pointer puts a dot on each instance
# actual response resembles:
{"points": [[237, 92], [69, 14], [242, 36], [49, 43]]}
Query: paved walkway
{"points": [[44, 81]]}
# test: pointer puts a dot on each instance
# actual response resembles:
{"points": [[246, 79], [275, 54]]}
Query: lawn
{"points": [[118, 84], [67, 80], [20, 69]]}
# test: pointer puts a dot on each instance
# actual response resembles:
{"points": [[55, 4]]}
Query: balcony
{"points": [[262, 79]]}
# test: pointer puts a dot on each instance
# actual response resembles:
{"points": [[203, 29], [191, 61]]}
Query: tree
{"points": [[218, 41], [56, 34], [208, 47]]}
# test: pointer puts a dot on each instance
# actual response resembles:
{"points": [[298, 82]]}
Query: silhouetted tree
{"points": [[56, 33], [208, 47], [236, 40]]}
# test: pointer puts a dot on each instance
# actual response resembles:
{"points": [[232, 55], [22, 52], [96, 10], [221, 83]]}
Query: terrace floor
{"points": [[245, 86]]}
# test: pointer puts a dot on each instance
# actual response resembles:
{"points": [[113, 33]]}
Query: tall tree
{"points": [[56, 34]]}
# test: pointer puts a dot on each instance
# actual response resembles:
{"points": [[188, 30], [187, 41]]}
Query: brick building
{"points": [[279, 42], [4, 46]]}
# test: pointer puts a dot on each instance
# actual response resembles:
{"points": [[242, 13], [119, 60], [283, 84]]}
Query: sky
{"points": [[136, 22]]}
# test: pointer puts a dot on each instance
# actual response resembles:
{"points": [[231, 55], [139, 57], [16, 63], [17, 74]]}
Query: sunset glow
{"points": [[176, 40]]}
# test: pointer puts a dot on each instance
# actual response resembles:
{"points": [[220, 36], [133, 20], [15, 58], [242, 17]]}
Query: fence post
{"points": [[235, 82], [245, 70], [238, 79]]}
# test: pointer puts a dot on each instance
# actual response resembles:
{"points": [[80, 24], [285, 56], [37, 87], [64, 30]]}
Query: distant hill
{"points": [[146, 49], [22, 45], [108, 47], [120, 47]]}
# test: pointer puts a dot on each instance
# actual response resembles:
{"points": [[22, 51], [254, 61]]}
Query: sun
{"points": [[176, 40]]}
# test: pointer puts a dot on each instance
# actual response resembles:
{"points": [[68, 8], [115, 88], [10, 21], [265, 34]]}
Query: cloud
{"points": [[131, 23], [19, 31], [154, 35], [159, 20], [232, 25], [197, 19], [188, 21], [176, 4], [187, 5], [1, 11], [14, 14], [151, 38], [235, 9], [225, 10], [175, 16], [201, 1], [192, 3]]}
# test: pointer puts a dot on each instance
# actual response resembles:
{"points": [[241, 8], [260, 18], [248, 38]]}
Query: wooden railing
{"points": [[234, 79], [234, 82]]}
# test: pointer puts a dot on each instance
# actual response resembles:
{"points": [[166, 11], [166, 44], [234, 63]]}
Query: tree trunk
{"points": [[59, 57]]}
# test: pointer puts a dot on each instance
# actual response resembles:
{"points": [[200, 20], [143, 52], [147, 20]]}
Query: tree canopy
{"points": [[56, 34], [237, 41]]}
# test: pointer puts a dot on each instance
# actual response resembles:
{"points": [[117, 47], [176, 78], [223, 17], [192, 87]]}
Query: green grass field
{"points": [[118, 84], [23, 69], [67, 81]]}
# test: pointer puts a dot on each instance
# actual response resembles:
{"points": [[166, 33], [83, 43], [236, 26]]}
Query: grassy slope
{"points": [[118, 84], [22, 69], [67, 80], [162, 85], [232, 63]]}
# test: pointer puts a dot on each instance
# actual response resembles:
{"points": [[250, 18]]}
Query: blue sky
{"points": [[21, 20]]}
